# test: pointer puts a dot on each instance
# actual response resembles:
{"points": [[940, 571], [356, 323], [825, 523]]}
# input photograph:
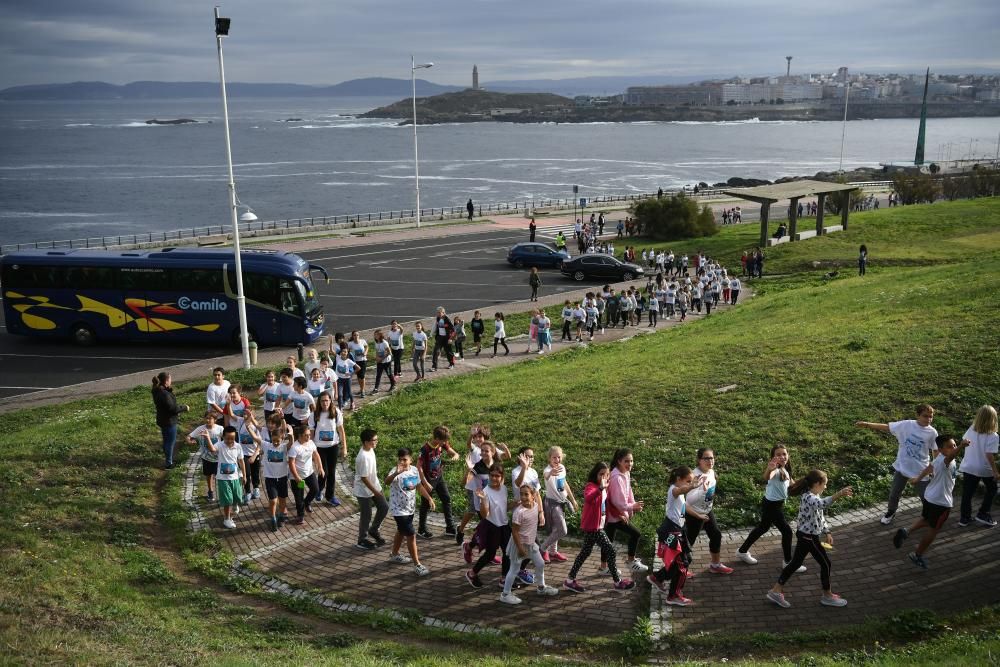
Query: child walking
{"points": [[980, 465], [778, 477], [595, 495], [274, 452], [368, 491], [499, 335], [230, 471], [478, 328], [811, 524], [419, 352], [622, 506], [459, 324], [558, 495], [207, 433], [672, 544], [700, 501], [544, 332], [493, 530], [405, 481], [383, 361], [526, 519], [937, 501]]}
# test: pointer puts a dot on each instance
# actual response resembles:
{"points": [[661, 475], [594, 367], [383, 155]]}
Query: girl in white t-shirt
{"points": [[201, 436], [419, 351], [328, 430], [317, 383], [672, 544], [493, 530], [499, 334], [980, 465], [700, 501], [269, 392], [383, 361], [276, 440], [558, 494], [397, 346], [301, 403], [526, 519], [312, 361], [344, 367]]}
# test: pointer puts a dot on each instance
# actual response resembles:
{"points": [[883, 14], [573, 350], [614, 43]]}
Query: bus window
{"points": [[262, 289], [196, 280], [89, 277], [308, 297], [141, 280], [290, 298]]}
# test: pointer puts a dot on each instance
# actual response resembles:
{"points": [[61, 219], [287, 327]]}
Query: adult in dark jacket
{"points": [[167, 410]]}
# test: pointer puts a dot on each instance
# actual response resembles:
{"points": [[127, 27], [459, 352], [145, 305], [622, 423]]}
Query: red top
{"points": [[594, 498]]}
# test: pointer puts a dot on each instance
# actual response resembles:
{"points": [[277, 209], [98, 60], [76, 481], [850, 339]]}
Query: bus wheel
{"points": [[83, 335]]}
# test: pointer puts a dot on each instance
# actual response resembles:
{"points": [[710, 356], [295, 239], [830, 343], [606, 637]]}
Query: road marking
{"points": [[411, 248]]}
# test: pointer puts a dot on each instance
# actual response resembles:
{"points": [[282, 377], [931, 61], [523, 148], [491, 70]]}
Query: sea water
{"points": [[84, 169]]}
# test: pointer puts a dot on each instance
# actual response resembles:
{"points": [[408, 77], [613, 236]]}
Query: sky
{"points": [[329, 41]]}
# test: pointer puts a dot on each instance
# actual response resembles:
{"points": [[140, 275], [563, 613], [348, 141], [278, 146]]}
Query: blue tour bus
{"points": [[170, 294]]}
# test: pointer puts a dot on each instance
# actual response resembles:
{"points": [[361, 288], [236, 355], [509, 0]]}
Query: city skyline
{"points": [[314, 43]]}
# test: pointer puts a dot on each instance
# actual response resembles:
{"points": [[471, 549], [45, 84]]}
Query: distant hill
{"points": [[588, 85], [99, 90], [474, 105]]}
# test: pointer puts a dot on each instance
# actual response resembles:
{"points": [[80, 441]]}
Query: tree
{"points": [[834, 202], [673, 218], [915, 188]]}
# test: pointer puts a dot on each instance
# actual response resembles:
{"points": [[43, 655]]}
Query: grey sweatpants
{"points": [[899, 481]]}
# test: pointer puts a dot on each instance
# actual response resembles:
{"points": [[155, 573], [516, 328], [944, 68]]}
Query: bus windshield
{"points": [[308, 297]]}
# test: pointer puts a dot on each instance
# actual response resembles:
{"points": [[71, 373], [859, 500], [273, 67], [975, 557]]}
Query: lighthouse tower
{"points": [[475, 77]]}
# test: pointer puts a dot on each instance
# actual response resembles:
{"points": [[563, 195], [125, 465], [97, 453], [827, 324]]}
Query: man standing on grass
{"points": [[917, 446]]}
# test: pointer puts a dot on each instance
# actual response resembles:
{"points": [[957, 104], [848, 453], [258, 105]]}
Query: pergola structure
{"points": [[765, 195]]}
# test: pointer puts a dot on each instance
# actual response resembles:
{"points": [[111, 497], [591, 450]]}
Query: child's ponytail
{"points": [[805, 483]]}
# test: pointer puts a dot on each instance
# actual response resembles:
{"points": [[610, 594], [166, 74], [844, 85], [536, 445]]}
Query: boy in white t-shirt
{"points": [[405, 481], [937, 500], [217, 394], [916, 448], [368, 491], [207, 432]]}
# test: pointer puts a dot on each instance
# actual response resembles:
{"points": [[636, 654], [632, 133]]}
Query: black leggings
{"points": [[633, 535], [590, 538], [694, 526], [302, 502], [771, 514], [441, 488], [808, 544], [397, 362], [327, 483], [652, 316], [493, 537], [386, 369], [253, 474], [565, 330], [500, 341]]}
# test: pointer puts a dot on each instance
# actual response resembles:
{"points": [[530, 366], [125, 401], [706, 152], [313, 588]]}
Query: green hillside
{"points": [[99, 568]]}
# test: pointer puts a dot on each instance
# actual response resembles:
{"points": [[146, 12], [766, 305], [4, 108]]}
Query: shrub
{"points": [[674, 218]]}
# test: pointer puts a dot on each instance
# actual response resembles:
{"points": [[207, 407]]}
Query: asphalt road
{"points": [[369, 286]]}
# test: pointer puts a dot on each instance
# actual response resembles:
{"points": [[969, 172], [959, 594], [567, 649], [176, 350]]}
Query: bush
{"points": [[915, 188], [674, 218]]}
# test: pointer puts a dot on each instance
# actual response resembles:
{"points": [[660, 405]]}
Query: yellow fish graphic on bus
{"points": [[145, 314]]}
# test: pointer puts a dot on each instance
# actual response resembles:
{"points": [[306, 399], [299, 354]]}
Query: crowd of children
{"points": [[303, 437]]}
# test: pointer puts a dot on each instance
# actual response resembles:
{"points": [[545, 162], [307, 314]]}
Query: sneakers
{"points": [[497, 560], [467, 552], [473, 579], [459, 537], [604, 571], [376, 537], [678, 600], [719, 568], [778, 599], [273, 522], [746, 557], [247, 498], [374, 391], [256, 493], [228, 523], [334, 502], [509, 598], [571, 585], [365, 545], [451, 530], [211, 496], [361, 394], [833, 600], [897, 539], [399, 558], [657, 584], [918, 560], [887, 519], [525, 577], [424, 533], [545, 557], [557, 557], [802, 568], [547, 591], [986, 520], [961, 522], [625, 585], [421, 570], [638, 566], [236, 508]]}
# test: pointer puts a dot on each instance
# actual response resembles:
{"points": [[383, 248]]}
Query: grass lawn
{"points": [[98, 567]]}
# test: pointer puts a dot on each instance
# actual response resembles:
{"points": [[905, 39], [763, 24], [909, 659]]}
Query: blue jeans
{"points": [[169, 434]]}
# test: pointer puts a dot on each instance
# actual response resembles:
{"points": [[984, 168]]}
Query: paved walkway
{"points": [[875, 578]]}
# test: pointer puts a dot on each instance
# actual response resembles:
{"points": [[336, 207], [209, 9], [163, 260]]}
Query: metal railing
{"points": [[355, 220]]}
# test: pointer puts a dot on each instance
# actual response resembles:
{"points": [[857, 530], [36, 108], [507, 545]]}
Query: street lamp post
{"points": [[416, 160], [221, 30]]}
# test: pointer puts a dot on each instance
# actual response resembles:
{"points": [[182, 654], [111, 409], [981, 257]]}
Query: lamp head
{"points": [[249, 215], [424, 66], [221, 26]]}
